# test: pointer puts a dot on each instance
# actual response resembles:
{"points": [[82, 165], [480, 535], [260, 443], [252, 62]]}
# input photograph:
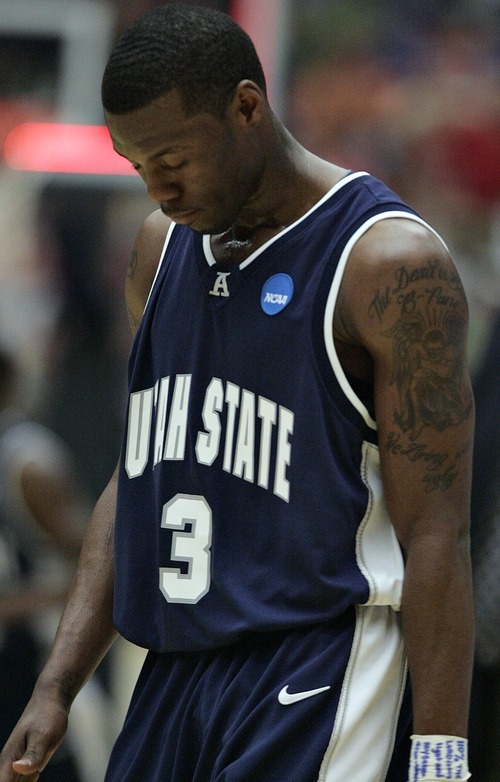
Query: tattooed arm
{"points": [[402, 314]]}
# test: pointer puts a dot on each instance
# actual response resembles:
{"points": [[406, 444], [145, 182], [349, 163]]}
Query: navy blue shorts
{"points": [[323, 704]]}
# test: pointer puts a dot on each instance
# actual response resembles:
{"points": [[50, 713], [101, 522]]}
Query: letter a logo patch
{"points": [[276, 294], [220, 285]]}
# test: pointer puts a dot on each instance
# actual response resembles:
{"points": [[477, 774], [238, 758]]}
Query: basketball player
{"points": [[291, 502]]}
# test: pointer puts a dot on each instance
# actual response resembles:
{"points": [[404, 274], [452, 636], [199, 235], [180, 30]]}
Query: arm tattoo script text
{"points": [[427, 363]]}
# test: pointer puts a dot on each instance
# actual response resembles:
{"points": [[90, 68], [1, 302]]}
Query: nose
{"points": [[161, 189]]}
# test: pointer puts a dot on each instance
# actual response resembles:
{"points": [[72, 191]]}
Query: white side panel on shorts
{"points": [[378, 552], [363, 736]]}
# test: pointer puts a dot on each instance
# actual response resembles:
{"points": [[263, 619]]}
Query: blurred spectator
{"points": [[41, 529], [85, 233], [42, 517]]}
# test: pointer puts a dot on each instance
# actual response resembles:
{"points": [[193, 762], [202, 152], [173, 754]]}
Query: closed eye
{"points": [[163, 165], [169, 167]]}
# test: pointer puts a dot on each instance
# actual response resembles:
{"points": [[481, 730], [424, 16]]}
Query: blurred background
{"points": [[407, 91]]}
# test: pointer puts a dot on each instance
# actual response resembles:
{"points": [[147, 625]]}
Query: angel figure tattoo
{"points": [[428, 372]]}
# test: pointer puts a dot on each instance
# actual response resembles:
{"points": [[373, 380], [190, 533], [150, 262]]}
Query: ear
{"points": [[248, 103]]}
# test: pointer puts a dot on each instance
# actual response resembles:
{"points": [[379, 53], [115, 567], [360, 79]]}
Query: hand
{"points": [[33, 741]]}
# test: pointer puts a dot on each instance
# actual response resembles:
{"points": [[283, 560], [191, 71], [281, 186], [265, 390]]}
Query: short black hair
{"points": [[200, 52]]}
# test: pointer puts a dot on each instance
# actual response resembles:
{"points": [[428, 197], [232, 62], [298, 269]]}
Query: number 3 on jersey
{"points": [[189, 545]]}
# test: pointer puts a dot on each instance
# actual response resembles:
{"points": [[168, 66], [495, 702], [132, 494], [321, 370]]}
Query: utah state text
{"points": [[252, 434]]}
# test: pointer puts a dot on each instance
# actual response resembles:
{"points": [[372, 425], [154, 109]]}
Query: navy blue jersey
{"points": [[249, 491]]}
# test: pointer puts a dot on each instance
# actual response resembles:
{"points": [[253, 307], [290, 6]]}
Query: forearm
{"points": [[438, 630], [86, 628]]}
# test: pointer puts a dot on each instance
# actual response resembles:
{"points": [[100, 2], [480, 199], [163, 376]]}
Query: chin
{"points": [[213, 228]]}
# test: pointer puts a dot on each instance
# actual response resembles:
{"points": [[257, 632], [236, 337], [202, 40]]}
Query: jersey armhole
{"points": [[160, 261], [344, 383]]}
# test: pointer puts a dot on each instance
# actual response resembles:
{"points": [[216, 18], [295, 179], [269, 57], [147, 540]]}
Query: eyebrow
{"points": [[166, 151]]}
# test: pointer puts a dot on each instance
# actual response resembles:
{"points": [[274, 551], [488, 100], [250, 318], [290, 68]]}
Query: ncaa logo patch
{"points": [[276, 294]]}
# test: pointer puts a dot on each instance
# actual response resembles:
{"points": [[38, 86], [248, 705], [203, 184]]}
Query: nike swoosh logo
{"points": [[286, 698]]}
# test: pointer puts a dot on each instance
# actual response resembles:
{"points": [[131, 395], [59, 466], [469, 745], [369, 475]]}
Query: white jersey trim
{"points": [[160, 261], [338, 186], [364, 731], [332, 300]]}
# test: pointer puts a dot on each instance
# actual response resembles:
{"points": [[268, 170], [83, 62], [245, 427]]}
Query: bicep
{"points": [[411, 317], [424, 413]]}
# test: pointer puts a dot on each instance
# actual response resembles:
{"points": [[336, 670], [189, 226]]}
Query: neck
{"points": [[293, 181]]}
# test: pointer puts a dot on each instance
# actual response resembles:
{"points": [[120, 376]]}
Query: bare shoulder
{"points": [[143, 263], [391, 239], [399, 271]]}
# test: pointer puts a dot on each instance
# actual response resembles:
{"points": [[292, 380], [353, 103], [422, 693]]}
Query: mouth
{"points": [[183, 218]]}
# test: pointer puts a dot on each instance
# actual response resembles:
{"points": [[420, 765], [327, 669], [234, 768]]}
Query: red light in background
{"points": [[66, 149]]}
